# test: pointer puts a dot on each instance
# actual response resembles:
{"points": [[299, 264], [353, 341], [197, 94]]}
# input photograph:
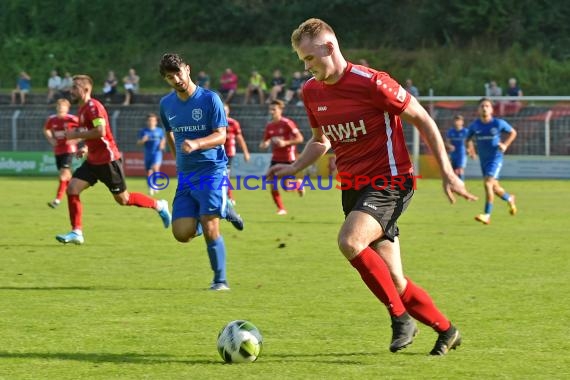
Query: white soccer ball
{"points": [[239, 342]]}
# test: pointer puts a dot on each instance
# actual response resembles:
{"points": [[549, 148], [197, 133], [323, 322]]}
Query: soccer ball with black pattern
{"points": [[240, 342]]}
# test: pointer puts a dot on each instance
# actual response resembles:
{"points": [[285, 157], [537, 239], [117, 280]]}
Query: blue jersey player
{"points": [[195, 124], [152, 138], [455, 141], [493, 137]]}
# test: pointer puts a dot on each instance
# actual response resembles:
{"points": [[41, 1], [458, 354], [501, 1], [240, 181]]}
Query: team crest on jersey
{"points": [[493, 131], [197, 114]]}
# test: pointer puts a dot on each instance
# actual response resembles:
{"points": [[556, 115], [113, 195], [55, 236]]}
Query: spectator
{"points": [[203, 80], [110, 86], [413, 90], [228, 85], [54, 86], [363, 62], [277, 85], [66, 83], [23, 87], [512, 106], [256, 85], [494, 89], [295, 88], [131, 84]]}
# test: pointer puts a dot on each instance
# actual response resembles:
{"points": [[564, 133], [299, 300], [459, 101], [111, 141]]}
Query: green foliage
{"points": [[130, 303]]}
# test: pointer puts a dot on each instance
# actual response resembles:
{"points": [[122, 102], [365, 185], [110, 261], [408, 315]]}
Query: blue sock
{"points": [[505, 196], [488, 207], [217, 255], [199, 230]]}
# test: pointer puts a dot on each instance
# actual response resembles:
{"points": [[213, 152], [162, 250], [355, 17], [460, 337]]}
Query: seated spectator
{"points": [[110, 86], [256, 85], [413, 90], [54, 87], [66, 83], [494, 89], [203, 80], [295, 88], [512, 106], [228, 85], [277, 86], [23, 87], [131, 83]]}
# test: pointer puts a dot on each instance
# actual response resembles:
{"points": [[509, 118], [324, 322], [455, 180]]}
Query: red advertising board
{"points": [[133, 163]]}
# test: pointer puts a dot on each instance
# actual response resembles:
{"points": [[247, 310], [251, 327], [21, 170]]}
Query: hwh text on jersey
{"points": [[347, 132]]}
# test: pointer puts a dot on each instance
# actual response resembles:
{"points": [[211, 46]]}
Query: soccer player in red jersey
{"points": [[55, 128], [233, 134], [283, 136], [359, 112], [103, 162]]}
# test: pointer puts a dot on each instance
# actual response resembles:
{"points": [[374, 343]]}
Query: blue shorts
{"points": [[201, 199], [151, 160], [491, 168], [458, 161]]}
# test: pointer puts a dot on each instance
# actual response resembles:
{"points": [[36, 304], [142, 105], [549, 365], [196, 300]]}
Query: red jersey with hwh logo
{"points": [[58, 127], [101, 150], [359, 115], [232, 131], [286, 129]]}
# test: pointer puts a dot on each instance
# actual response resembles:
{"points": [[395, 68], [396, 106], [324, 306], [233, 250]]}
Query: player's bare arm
{"points": [[171, 145], [418, 116], [49, 136], [218, 137], [503, 146], [243, 146]]}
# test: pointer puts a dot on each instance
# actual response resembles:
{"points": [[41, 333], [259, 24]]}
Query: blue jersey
{"points": [[191, 119], [152, 144], [488, 137], [457, 139]]}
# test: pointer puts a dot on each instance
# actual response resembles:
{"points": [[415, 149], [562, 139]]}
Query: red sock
{"points": [[75, 211], [376, 276], [141, 200], [420, 306], [230, 193], [61, 189], [277, 199]]}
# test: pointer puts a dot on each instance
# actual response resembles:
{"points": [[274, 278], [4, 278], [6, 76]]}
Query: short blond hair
{"points": [[310, 28], [63, 101], [84, 81]]}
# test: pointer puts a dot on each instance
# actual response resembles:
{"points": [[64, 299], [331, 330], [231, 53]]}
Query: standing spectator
{"points": [[256, 85], [110, 86], [103, 163], [54, 86], [153, 140], [55, 129], [228, 85], [195, 124], [66, 83], [203, 80], [277, 86], [342, 94], [295, 88], [413, 90], [131, 84], [282, 134], [233, 134], [23, 87], [512, 106]]}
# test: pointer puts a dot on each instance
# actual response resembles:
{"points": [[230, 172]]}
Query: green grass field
{"points": [[131, 304]]}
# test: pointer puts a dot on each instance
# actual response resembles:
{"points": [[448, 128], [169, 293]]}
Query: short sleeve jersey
{"points": [[102, 150], [488, 137], [286, 129], [457, 138], [58, 126], [155, 136], [234, 130], [194, 118], [359, 114]]}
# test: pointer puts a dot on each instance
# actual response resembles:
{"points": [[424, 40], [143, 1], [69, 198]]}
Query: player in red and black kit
{"points": [[359, 112], [233, 134], [103, 162], [55, 128], [283, 136]]}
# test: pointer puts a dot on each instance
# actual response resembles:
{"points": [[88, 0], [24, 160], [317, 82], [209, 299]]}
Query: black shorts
{"points": [[385, 204], [110, 174], [63, 161], [273, 163]]}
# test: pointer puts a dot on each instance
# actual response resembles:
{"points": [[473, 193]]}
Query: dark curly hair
{"points": [[171, 62]]}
